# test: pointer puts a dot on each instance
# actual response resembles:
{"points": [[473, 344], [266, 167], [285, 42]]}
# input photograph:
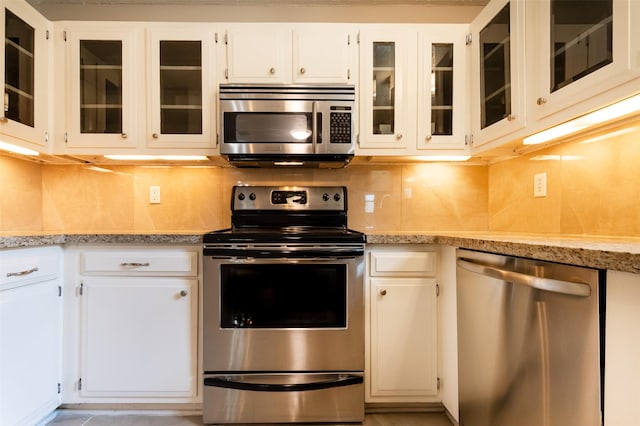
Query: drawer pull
{"points": [[134, 264], [383, 292], [22, 273]]}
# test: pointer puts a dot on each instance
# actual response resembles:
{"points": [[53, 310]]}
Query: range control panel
{"points": [[289, 198]]}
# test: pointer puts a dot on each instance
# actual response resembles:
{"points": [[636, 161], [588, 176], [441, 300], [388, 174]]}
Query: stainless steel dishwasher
{"points": [[530, 339]]}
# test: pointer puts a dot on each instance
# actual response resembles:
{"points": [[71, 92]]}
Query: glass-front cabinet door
{"points": [[584, 48], [385, 97], [101, 89], [497, 41], [180, 88], [442, 88], [25, 73]]}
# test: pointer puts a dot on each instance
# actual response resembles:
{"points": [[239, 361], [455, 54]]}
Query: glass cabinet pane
{"points": [[442, 89], [581, 39], [101, 86], [384, 73], [19, 70], [495, 69], [180, 87]]}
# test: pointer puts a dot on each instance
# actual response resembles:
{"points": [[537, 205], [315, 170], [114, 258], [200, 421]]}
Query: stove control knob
{"points": [[252, 196], [241, 196], [336, 197], [325, 197]]}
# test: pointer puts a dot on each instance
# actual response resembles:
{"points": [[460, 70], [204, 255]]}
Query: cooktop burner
{"points": [[291, 214]]}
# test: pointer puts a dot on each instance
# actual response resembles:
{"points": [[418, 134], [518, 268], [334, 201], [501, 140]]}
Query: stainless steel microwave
{"points": [[287, 125]]}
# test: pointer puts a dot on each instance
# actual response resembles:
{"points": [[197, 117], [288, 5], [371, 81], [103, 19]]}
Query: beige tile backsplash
{"points": [[592, 189]]}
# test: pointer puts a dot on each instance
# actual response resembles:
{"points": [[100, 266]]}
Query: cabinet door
{"points": [[26, 56], [403, 338], [258, 54], [102, 93], [583, 49], [180, 88], [321, 56], [497, 58], [139, 337], [442, 88], [388, 98], [30, 339]]}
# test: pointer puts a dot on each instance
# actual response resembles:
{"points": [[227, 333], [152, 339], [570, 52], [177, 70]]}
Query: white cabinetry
{"points": [[25, 56], [402, 331], [102, 88], [180, 87], [497, 71], [30, 334], [582, 50], [137, 311], [298, 53], [404, 112], [622, 350]]}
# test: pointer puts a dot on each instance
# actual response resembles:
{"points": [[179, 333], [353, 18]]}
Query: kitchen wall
{"points": [[592, 189]]}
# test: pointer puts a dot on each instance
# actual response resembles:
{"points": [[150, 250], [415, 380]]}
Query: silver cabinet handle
{"points": [[383, 292], [539, 283], [22, 273], [135, 264], [183, 293]]}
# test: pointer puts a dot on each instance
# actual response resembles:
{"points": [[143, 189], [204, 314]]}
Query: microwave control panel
{"points": [[340, 125]]}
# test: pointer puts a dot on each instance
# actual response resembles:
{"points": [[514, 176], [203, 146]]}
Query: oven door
{"points": [[283, 315]]}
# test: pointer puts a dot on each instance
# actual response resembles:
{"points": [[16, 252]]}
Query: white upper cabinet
{"points": [[258, 54], [25, 59], [442, 87], [582, 49], [388, 55], [322, 56], [102, 89], [497, 66], [180, 87], [277, 54]]}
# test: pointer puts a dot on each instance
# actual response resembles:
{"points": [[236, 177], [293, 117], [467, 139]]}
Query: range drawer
{"points": [[399, 263], [21, 266], [166, 262]]}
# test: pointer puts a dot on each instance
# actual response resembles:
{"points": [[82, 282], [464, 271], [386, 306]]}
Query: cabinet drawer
{"points": [[140, 262], [403, 263], [19, 266]]}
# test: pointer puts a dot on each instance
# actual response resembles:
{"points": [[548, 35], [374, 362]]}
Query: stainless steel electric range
{"points": [[284, 309]]}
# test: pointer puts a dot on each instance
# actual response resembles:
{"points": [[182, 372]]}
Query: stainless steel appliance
{"points": [[284, 125], [284, 309], [530, 342]]}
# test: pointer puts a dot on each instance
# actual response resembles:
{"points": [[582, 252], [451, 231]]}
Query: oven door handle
{"points": [[230, 382]]}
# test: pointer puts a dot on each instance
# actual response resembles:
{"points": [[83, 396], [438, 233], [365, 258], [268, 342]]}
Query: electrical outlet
{"points": [[154, 195], [540, 185]]}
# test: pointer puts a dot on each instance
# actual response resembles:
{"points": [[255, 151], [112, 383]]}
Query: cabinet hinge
{"points": [[358, 38], [358, 139], [438, 383], [81, 289], [348, 73], [348, 39], [226, 73], [437, 290], [46, 137], [64, 35], [59, 388], [226, 38], [46, 35], [59, 291], [80, 384], [217, 139], [468, 140], [66, 137], [468, 39], [215, 37]]}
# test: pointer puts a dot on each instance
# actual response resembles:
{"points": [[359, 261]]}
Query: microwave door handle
{"points": [[314, 124]]}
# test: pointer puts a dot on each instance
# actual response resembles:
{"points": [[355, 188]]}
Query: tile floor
{"points": [[83, 419]]}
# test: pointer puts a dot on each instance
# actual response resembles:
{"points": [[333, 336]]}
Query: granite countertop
{"points": [[622, 254]]}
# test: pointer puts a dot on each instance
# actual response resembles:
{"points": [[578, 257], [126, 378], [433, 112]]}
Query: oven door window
{"points": [[303, 295], [270, 127]]}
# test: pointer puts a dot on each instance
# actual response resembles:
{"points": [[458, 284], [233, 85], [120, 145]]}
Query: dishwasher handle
{"points": [[539, 283]]}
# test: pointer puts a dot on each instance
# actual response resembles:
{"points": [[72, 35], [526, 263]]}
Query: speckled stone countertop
{"points": [[622, 254]]}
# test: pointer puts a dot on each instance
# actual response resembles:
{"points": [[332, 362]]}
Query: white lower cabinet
{"points": [[30, 334], [137, 316], [402, 326]]}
